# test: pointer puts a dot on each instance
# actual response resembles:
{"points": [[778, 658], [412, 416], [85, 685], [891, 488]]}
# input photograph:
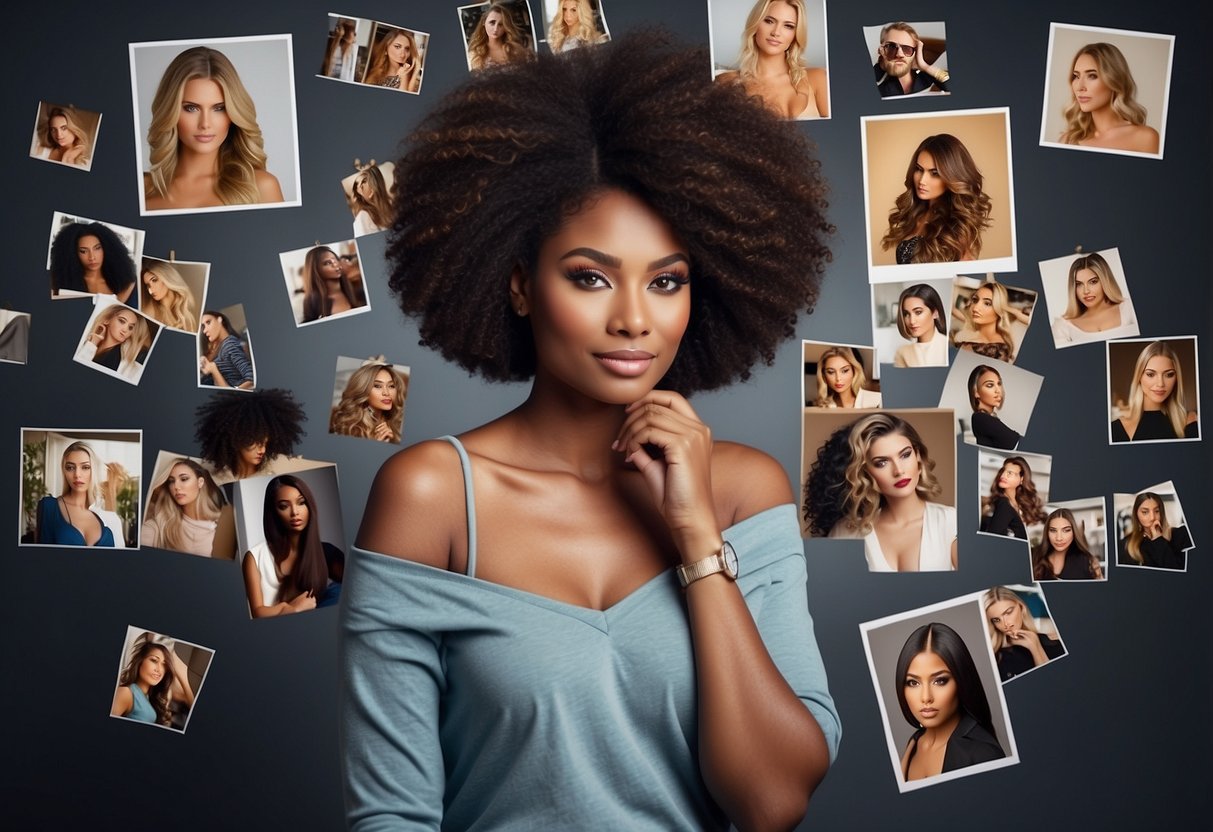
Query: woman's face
{"points": [[981, 307], [156, 288], [203, 123], [253, 454], [1010, 477], [1158, 381], [212, 328], [609, 300], [838, 373], [183, 484], [291, 508], [494, 25], [777, 29], [1061, 534], [152, 668], [931, 691], [1006, 616], [383, 391], [568, 13], [1148, 513], [989, 391], [329, 266], [928, 184], [60, 135], [78, 471], [91, 252], [894, 465], [121, 326], [399, 52], [918, 318], [1088, 288], [1088, 87]]}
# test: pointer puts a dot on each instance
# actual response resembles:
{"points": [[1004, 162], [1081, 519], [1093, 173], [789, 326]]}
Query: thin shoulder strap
{"points": [[469, 500]]}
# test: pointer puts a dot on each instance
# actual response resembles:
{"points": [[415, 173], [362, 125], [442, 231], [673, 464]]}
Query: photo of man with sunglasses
{"points": [[902, 66]]}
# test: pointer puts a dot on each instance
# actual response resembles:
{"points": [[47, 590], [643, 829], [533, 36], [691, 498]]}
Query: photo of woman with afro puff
{"points": [[244, 434], [651, 236]]}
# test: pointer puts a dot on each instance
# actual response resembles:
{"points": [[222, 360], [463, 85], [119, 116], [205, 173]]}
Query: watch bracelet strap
{"points": [[710, 565]]}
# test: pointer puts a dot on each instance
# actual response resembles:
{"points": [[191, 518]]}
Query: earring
{"points": [[521, 311]]}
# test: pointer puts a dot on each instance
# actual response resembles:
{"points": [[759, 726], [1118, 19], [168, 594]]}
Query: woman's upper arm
{"points": [[123, 701], [748, 480], [821, 90], [268, 188]]}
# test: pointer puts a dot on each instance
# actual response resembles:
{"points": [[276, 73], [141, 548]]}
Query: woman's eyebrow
{"points": [[614, 262]]}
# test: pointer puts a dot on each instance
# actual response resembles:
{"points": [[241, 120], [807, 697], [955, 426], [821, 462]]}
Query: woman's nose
{"points": [[629, 316]]}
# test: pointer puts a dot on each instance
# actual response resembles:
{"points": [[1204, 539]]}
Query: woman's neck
{"points": [[1105, 119], [1149, 404], [194, 165], [926, 337], [1010, 495], [191, 511], [846, 398], [904, 509], [940, 734], [771, 66], [76, 499]]}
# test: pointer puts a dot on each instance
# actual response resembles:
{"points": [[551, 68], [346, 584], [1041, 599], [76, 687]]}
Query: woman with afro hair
{"points": [[592, 569], [89, 257], [244, 434]]}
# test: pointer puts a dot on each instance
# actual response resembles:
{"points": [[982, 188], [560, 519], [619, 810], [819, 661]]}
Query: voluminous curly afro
{"points": [[505, 158], [230, 422]]}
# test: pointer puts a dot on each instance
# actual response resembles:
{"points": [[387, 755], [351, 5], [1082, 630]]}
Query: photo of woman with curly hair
{"points": [[1106, 90], [396, 59], [243, 435], [90, 258], [370, 402], [497, 34], [563, 253], [215, 124], [574, 23], [770, 64], [1013, 502], [874, 479], [1064, 552], [160, 679], [1158, 406]]}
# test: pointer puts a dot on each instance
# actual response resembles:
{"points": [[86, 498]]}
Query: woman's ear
{"points": [[520, 287]]}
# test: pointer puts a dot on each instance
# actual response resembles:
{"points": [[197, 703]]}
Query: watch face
{"points": [[730, 558]]}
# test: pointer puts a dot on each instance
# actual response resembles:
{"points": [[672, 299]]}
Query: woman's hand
{"points": [[181, 690], [1153, 531], [382, 432], [1031, 642], [97, 335], [303, 602], [680, 477]]}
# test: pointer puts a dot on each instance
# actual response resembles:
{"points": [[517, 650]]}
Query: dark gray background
{"points": [[1116, 734]]}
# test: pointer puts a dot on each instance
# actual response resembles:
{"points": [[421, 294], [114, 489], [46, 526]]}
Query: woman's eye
{"points": [[911, 683], [588, 279], [942, 680]]}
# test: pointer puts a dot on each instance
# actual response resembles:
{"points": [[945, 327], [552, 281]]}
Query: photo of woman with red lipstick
{"points": [[839, 376], [600, 518], [874, 479], [1158, 406]]}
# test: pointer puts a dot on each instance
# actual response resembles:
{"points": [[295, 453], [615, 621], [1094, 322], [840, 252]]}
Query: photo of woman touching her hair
{"points": [[289, 571], [371, 200], [841, 381], [90, 258], [874, 479], [941, 215], [118, 339], [1152, 541], [1017, 644], [923, 321], [587, 293], [205, 146], [159, 679], [771, 63], [395, 61], [1158, 401], [1062, 553], [372, 404], [942, 698], [1012, 501]]}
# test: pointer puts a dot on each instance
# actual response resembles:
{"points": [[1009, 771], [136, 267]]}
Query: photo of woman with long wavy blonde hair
{"points": [[371, 404]]}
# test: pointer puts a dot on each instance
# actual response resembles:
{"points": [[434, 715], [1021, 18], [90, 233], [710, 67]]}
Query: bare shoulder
{"points": [[267, 187], [1143, 139], [817, 76], [747, 481], [416, 506], [730, 77]]}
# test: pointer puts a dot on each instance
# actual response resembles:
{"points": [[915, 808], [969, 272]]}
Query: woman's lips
{"points": [[927, 713], [628, 363], [903, 482]]}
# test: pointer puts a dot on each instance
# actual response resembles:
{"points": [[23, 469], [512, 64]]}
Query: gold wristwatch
{"points": [[724, 560]]}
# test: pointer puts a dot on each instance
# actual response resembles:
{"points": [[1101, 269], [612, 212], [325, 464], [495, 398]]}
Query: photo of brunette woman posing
{"points": [[1062, 553], [600, 517], [1151, 540], [1012, 501]]}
